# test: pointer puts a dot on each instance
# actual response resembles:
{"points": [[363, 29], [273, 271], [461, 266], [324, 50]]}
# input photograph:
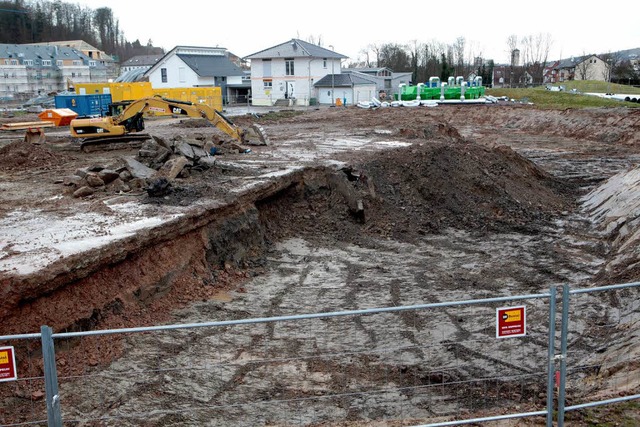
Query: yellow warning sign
{"points": [[513, 316]]}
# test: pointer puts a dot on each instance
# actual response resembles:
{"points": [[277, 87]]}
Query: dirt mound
{"points": [[21, 155], [426, 188]]}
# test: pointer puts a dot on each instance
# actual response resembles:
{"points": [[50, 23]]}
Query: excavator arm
{"points": [[130, 119]]}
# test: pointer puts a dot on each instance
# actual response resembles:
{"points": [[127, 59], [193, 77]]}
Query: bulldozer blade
{"points": [[255, 135]]}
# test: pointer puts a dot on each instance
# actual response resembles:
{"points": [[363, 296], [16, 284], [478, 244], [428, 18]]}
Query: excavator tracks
{"points": [[109, 143]]}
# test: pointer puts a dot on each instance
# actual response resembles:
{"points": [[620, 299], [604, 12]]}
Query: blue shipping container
{"points": [[85, 105]]}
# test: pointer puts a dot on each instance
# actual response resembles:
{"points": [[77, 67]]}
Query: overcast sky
{"points": [[246, 27]]}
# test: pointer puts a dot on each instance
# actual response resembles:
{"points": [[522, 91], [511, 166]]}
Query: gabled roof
{"points": [[42, 52], [205, 61], [342, 80], [142, 61], [295, 48], [211, 66], [80, 45], [572, 62]]}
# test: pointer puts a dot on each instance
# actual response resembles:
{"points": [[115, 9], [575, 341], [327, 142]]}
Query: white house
{"points": [[289, 72], [186, 66], [347, 88]]}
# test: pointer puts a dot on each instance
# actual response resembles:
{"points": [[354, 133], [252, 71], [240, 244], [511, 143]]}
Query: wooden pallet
{"points": [[34, 131], [26, 125]]}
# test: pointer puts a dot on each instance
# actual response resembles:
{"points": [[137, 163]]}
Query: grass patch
{"points": [[598, 86], [625, 414], [546, 99]]}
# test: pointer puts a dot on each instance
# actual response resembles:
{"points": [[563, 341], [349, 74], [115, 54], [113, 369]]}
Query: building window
{"points": [[266, 68], [267, 84], [92, 63], [324, 62], [28, 62], [163, 75], [289, 71], [59, 63], [181, 75], [77, 62], [15, 62], [46, 62]]}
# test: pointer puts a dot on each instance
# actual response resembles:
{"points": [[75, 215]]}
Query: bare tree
{"points": [[365, 54], [536, 53], [317, 40], [612, 61], [376, 49], [458, 52], [512, 45]]}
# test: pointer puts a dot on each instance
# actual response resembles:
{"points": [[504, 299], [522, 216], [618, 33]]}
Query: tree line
{"points": [[529, 56], [40, 21]]}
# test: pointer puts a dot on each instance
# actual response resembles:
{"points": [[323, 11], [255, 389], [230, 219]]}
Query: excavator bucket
{"points": [[255, 135], [34, 136]]}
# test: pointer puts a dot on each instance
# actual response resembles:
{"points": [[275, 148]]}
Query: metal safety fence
{"points": [[543, 356]]}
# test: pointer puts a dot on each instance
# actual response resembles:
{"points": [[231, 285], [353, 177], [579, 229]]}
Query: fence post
{"points": [[54, 416], [551, 355], [563, 355]]}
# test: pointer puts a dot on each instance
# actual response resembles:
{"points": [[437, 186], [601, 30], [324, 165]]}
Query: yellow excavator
{"points": [[126, 119]]}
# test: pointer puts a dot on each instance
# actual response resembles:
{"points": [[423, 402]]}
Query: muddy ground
{"points": [[346, 209]]}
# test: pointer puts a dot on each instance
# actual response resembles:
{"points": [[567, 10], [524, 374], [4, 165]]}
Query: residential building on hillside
{"points": [[188, 66], [287, 73], [28, 70], [91, 52], [589, 67]]}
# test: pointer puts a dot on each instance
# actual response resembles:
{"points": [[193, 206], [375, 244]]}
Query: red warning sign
{"points": [[511, 322], [8, 364]]}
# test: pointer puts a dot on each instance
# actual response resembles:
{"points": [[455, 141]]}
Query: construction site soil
{"points": [[399, 206]]}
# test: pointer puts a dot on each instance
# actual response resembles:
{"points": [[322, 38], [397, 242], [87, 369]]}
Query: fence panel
{"points": [[603, 358], [23, 400], [418, 364]]}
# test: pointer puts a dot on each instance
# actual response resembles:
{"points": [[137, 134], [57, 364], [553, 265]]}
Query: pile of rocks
{"points": [[159, 161]]}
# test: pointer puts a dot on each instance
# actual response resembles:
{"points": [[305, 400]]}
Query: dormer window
{"points": [[92, 63], [46, 63]]}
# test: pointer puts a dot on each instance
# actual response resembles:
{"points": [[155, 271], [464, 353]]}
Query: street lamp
{"points": [[332, 80]]}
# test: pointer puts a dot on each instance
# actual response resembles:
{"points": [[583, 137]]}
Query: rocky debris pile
{"points": [[157, 164]]}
